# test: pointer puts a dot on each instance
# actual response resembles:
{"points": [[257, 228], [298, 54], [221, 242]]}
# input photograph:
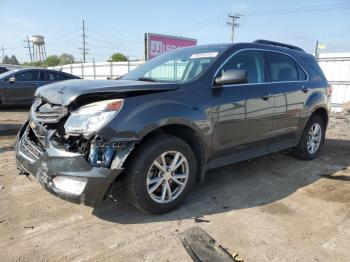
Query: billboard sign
{"points": [[156, 44]]}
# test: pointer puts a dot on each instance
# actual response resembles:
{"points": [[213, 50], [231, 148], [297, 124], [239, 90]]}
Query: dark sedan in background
{"points": [[3, 69], [18, 86]]}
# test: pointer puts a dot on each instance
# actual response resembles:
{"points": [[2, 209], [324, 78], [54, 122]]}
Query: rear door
{"points": [[22, 90], [289, 87], [243, 113]]}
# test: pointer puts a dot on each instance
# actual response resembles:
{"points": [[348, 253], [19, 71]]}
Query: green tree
{"points": [[13, 60], [6, 60], [37, 63], [52, 60], [118, 57], [66, 59]]}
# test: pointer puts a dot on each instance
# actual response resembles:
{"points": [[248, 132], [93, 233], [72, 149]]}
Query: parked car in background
{"points": [[157, 129], [18, 86], [3, 69]]}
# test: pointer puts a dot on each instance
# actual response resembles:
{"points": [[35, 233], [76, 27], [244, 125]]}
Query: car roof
{"points": [[259, 44], [36, 68]]}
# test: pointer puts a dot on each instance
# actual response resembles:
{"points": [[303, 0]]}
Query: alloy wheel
{"points": [[314, 138], [167, 177]]}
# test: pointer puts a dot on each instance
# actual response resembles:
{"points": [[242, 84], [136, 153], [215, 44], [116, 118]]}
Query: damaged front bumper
{"points": [[66, 174]]}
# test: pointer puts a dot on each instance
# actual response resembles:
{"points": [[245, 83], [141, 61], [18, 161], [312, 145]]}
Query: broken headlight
{"points": [[91, 117]]}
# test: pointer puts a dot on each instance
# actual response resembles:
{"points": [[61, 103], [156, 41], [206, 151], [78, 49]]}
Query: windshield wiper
{"points": [[147, 79]]}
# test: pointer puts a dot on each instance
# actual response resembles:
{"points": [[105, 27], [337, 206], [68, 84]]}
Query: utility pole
{"points": [[29, 48], [3, 53], [233, 23], [83, 48]]}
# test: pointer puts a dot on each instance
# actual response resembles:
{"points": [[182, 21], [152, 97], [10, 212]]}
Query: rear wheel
{"points": [[311, 140], [160, 174]]}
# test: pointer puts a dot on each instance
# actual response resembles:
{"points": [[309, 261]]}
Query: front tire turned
{"points": [[160, 174]]}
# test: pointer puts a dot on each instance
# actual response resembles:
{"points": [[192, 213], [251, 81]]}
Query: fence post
{"points": [[82, 70], [111, 69], [128, 64], [94, 67], [71, 69]]}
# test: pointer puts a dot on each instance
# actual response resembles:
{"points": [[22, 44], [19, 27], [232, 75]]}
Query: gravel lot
{"points": [[274, 208]]}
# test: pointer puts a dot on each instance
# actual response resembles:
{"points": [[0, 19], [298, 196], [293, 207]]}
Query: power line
{"points": [[314, 8], [233, 23], [106, 35], [310, 8], [63, 35]]}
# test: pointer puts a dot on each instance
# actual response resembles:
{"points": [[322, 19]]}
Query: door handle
{"points": [[305, 89], [266, 95]]}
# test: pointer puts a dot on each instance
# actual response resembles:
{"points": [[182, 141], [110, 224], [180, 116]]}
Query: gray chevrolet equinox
{"points": [[156, 131]]}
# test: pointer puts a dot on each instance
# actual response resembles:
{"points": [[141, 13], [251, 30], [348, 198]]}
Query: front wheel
{"points": [[311, 140], [160, 174]]}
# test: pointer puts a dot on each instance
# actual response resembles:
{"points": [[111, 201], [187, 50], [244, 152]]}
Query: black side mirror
{"points": [[12, 80], [232, 76]]}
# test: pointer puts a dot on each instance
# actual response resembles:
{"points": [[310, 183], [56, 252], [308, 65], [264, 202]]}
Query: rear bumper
{"points": [[58, 162]]}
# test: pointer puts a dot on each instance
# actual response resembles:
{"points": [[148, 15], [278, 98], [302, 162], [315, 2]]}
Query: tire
{"points": [[142, 170], [303, 150]]}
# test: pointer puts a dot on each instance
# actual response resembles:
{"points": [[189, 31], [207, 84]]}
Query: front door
{"points": [[243, 113]]}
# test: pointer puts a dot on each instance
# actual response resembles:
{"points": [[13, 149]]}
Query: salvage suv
{"points": [[155, 131]]}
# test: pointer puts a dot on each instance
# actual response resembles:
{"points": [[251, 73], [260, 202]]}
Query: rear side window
{"points": [[252, 61], [282, 68], [53, 76], [315, 71], [301, 74]]}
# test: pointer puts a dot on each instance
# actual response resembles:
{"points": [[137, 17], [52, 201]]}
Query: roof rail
{"points": [[267, 42]]}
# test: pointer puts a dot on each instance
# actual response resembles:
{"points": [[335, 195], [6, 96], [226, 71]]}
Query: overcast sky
{"points": [[119, 26]]}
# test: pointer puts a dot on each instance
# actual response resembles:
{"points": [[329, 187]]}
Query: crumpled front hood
{"points": [[65, 92]]}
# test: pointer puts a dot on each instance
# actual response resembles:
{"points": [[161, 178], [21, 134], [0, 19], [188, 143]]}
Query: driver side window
{"points": [[250, 61], [27, 76]]}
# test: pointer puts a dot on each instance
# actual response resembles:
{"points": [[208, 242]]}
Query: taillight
{"points": [[329, 91]]}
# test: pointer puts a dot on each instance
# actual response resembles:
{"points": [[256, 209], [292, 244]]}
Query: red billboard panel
{"points": [[158, 44]]}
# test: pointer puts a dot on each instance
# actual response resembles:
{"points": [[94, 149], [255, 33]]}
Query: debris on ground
{"points": [[201, 220], [2, 220], [202, 247], [30, 227]]}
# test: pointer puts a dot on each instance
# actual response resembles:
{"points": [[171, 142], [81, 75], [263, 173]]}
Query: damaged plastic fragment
{"points": [[100, 156]]}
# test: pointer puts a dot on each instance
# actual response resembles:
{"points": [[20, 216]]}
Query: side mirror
{"points": [[12, 80], [232, 76]]}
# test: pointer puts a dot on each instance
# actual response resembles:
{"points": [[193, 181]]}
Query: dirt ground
{"points": [[274, 208]]}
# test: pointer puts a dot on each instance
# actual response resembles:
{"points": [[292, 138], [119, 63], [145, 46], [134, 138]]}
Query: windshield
{"points": [[178, 66]]}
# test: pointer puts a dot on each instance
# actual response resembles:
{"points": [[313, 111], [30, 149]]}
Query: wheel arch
{"points": [[323, 113]]}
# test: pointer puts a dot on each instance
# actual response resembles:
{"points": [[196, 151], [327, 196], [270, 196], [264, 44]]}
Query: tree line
{"points": [[64, 59]]}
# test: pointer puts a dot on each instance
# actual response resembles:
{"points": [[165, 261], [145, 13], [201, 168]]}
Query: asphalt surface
{"points": [[274, 208]]}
